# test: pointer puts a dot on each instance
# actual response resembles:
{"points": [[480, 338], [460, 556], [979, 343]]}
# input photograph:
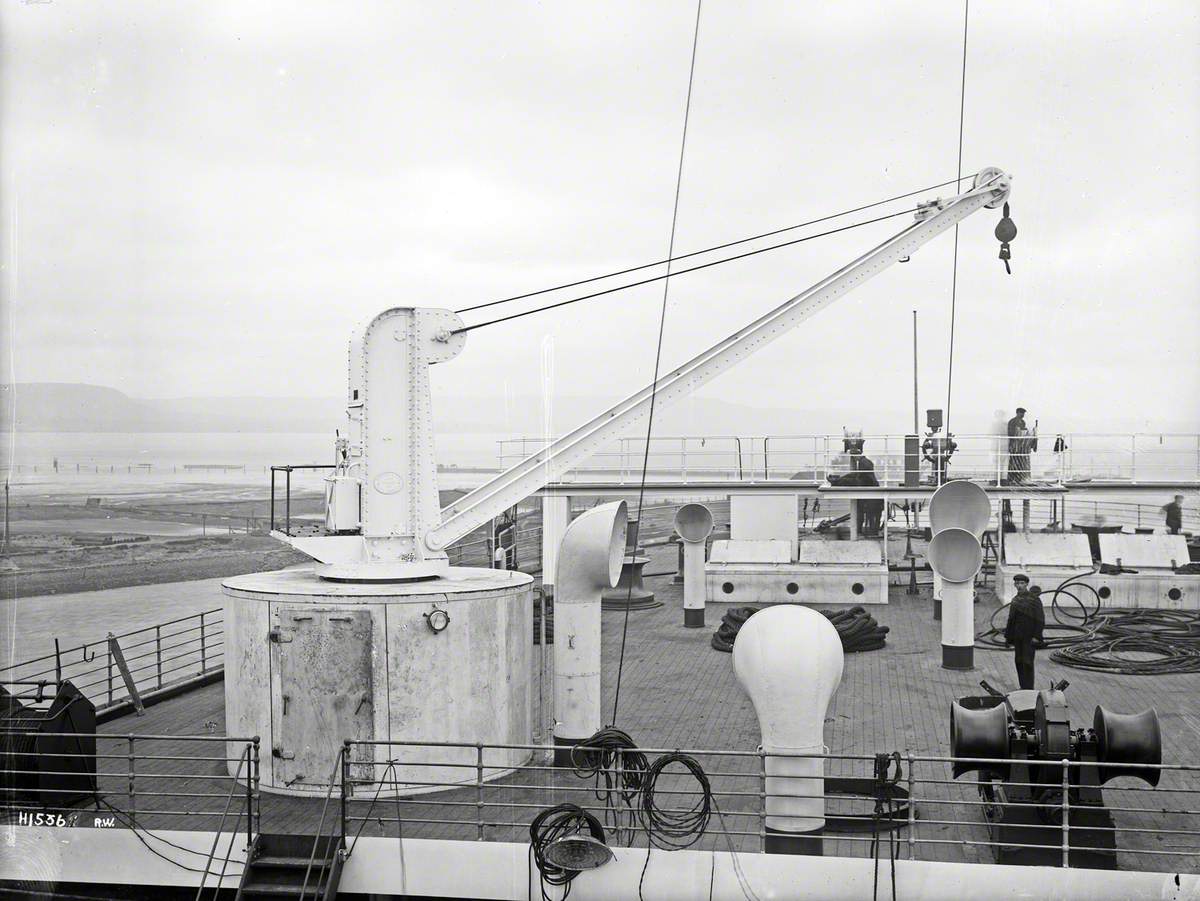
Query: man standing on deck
{"points": [[1174, 511], [1020, 443], [1026, 623]]}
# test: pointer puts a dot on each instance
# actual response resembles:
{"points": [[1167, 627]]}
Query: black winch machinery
{"points": [[1017, 742]]}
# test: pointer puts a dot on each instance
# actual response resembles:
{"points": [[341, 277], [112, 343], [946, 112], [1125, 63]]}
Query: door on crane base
{"points": [[323, 692]]}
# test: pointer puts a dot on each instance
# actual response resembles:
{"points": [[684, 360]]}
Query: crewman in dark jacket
{"points": [[1174, 511], [1026, 622]]}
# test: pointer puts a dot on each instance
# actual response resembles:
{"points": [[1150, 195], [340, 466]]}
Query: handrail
{"points": [[1124, 456], [83, 647], [244, 759], [338, 776], [161, 660], [465, 806], [395, 783]]}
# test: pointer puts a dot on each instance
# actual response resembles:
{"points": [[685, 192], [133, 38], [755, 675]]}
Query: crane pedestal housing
{"points": [[313, 662]]}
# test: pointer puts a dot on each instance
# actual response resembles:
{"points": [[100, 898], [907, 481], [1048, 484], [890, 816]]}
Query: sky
{"points": [[203, 199]]}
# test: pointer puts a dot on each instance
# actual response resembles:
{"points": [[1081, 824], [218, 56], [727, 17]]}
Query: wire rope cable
{"points": [[962, 105], [712, 249], [662, 321], [677, 272], [673, 828]]}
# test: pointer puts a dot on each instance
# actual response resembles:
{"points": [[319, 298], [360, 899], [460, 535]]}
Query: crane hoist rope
{"points": [[712, 249]]}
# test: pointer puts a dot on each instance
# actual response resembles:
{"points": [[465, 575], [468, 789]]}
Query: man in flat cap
{"points": [[1026, 623]]}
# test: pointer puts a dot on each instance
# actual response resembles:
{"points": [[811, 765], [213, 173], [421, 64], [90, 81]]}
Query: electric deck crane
{"points": [[384, 521]]}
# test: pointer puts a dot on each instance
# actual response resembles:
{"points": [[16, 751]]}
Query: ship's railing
{"points": [[142, 782], [490, 792], [136, 666], [1136, 458]]}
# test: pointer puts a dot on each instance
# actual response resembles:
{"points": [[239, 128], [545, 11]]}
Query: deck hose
{"points": [[1101, 638]]}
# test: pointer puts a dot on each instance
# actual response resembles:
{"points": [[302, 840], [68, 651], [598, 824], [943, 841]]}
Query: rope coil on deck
{"points": [[857, 628]]}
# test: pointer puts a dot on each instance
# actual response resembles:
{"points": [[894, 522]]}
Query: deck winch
{"points": [[1017, 743]]}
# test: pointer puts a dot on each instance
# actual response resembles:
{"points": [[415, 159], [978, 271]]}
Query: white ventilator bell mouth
{"points": [[789, 660], [693, 522], [960, 505], [955, 555]]}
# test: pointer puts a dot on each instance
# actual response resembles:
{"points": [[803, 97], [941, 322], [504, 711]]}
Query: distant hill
{"points": [[55, 407]]}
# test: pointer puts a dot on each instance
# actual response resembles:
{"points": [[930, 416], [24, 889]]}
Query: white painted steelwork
{"points": [[478, 506], [500, 870], [389, 451], [390, 448]]}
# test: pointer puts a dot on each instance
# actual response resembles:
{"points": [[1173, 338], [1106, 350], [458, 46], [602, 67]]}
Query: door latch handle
{"points": [[278, 636]]}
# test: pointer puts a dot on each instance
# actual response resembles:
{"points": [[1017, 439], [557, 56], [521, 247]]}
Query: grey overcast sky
{"points": [[204, 198]]}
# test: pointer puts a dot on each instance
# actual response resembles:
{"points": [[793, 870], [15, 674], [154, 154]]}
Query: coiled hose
{"points": [[1103, 639]]}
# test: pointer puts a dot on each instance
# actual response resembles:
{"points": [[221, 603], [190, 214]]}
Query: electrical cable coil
{"points": [[550, 825], [1133, 642]]}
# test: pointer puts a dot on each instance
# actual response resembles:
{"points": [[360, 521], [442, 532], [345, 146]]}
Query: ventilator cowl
{"points": [[789, 661], [693, 523]]}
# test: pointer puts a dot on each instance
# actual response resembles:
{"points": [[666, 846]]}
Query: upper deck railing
{"points": [[1138, 459], [117, 671]]}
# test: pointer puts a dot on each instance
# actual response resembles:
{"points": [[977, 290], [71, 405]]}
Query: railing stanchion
{"points": [[479, 790], [912, 806], [158, 653], [203, 645], [346, 746], [1066, 813], [132, 788], [252, 816], [110, 675], [762, 799]]}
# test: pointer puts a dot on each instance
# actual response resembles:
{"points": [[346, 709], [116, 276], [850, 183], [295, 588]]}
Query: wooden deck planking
{"points": [[677, 692]]}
